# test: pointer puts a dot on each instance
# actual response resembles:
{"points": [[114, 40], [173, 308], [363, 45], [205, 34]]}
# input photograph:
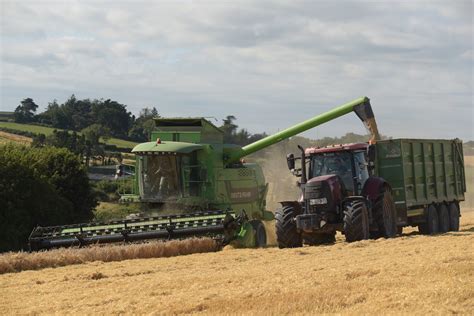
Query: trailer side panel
{"points": [[422, 172]]}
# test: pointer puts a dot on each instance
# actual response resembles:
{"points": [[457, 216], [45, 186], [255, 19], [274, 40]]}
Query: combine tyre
{"points": [[287, 235], [260, 233]]}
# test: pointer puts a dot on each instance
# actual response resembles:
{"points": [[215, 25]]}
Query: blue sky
{"points": [[269, 63]]}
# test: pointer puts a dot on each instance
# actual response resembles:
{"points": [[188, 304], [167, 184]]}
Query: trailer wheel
{"points": [[319, 239], [260, 233], [384, 212], [356, 221], [453, 217], [443, 217], [431, 226], [285, 226]]}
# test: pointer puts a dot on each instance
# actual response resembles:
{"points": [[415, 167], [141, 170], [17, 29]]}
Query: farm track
{"points": [[411, 274]]}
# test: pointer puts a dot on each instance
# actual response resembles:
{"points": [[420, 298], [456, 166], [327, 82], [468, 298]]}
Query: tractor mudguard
{"points": [[373, 186], [295, 204]]}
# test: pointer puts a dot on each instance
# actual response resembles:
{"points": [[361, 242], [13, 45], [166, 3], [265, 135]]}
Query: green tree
{"points": [[25, 112], [229, 129], [143, 125], [95, 132], [40, 186], [113, 116]]}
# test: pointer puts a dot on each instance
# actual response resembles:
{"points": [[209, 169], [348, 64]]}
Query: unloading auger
{"points": [[187, 167]]}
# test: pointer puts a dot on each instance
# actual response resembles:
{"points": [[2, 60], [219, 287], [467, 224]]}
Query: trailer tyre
{"points": [[285, 226], [431, 226], [443, 216], [385, 214], [260, 233], [319, 239], [356, 221], [453, 217]]}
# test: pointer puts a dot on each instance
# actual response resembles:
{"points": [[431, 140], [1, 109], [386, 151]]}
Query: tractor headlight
{"points": [[320, 201]]}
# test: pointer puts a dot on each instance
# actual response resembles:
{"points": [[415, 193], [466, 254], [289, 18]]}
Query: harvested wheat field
{"points": [[409, 274]]}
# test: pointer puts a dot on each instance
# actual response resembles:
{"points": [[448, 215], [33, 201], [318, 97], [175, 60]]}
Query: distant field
{"points": [[8, 137], [49, 130], [5, 116]]}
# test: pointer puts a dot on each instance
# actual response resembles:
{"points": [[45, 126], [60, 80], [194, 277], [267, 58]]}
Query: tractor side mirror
{"points": [[290, 160]]}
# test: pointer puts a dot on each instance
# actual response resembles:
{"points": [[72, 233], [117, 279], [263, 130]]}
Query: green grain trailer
{"points": [[427, 179]]}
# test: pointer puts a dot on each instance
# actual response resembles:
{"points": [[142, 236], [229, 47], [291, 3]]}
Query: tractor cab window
{"points": [[338, 163], [159, 177], [362, 172]]}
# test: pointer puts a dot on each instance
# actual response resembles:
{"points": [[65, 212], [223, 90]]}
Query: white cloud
{"points": [[277, 62]]}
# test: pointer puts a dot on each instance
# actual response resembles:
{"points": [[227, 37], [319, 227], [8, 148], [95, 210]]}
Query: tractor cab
{"points": [[348, 162]]}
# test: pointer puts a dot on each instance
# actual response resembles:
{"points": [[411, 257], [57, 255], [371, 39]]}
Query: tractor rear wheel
{"points": [[260, 233], [453, 217], [385, 214], [443, 216], [285, 226], [319, 239], [356, 221], [431, 226]]}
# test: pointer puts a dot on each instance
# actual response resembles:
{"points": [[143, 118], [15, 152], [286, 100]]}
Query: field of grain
{"points": [[49, 130], [8, 137], [411, 274]]}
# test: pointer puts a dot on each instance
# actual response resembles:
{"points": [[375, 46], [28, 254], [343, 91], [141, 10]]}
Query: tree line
{"points": [[109, 117]]}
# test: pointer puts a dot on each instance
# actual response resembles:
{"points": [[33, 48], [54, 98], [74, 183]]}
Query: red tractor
{"points": [[340, 192]]}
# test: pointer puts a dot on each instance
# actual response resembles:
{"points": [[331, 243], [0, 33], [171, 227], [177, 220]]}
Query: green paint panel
{"points": [[166, 147], [422, 171]]}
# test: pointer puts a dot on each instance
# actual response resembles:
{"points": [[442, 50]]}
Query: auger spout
{"points": [[360, 106]]}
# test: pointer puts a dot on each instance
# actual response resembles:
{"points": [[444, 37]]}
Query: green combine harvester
{"points": [[187, 167]]}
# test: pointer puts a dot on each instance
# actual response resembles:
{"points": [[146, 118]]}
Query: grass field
{"points": [[412, 274], [49, 130]]}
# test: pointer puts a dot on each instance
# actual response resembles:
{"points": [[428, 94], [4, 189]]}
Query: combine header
{"points": [[187, 167]]}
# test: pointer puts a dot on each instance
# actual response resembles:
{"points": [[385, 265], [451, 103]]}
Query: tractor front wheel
{"points": [[285, 226], [356, 221]]}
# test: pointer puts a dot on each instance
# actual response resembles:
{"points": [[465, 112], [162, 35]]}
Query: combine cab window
{"points": [[159, 177]]}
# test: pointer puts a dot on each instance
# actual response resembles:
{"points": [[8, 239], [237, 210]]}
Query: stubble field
{"points": [[410, 274]]}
